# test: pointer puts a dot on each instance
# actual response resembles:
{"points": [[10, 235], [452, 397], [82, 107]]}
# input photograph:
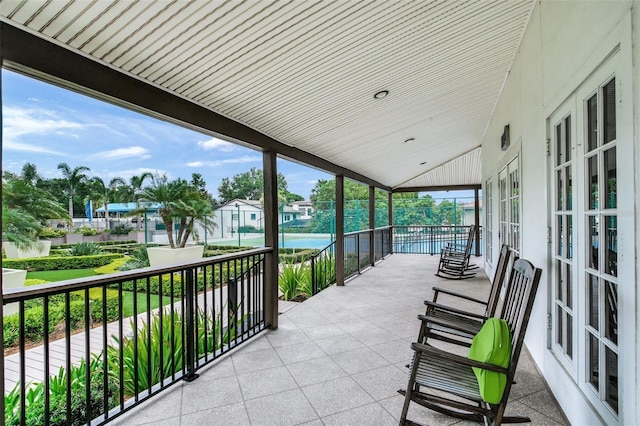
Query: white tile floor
{"points": [[336, 359]]}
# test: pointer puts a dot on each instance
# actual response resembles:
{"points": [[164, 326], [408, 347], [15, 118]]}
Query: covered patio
{"points": [[336, 359], [534, 102]]}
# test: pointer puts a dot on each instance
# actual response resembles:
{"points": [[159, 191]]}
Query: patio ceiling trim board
{"points": [[437, 188], [30, 54]]}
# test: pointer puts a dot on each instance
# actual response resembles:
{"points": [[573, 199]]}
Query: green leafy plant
{"points": [[121, 229], [85, 249], [294, 279], [86, 231], [50, 232], [138, 258], [164, 348], [325, 271], [35, 396]]}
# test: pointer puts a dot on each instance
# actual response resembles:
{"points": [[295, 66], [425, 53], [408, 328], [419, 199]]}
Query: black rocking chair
{"points": [[446, 383]]}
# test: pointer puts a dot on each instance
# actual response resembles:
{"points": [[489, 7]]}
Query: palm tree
{"points": [[25, 209], [30, 173], [102, 192], [74, 177], [181, 203], [136, 183]]}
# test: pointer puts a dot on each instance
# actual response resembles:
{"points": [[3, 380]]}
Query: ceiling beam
{"points": [[54, 63], [437, 188]]}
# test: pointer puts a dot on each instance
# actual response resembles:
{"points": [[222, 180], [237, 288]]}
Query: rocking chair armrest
{"points": [[438, 290], [433, 352], [437, 306]]}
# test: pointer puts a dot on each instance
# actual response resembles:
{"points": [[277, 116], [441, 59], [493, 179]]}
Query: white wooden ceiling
{"points": [[305, 71]]}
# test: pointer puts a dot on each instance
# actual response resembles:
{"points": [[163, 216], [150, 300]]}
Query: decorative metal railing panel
{"points": [[424, 239]]}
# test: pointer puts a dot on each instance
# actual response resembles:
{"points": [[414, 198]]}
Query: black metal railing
{"points": [[357, 249], [323, 268], [108, 343], [357, 256], [424, 239]]}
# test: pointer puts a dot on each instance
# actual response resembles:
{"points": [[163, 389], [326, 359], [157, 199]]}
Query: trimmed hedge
{"points": [[100, 243], [33, 315], [300, 256], [61, 262]]}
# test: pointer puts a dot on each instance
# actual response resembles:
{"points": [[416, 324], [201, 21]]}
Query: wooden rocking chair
{"points": [[443, 322], [454, 259], [446, 382]]}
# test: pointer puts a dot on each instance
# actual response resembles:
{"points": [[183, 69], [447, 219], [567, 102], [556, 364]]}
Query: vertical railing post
{"points": [[232, 303], [190, 319], [339, 230], [314, 285], [358, 250], [372, 225], [477, 219], [270, 177], [390, 209]]}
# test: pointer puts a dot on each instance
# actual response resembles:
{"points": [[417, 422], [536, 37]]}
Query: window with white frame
{"points": [[509, 187], [488, 229], [562, 236], [584, 240]]}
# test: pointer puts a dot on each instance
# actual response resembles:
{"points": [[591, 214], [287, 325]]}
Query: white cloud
{"points": [[9, 145], [216, 144], [127, 174], [116, 154], [238, 160], [21, 122]]}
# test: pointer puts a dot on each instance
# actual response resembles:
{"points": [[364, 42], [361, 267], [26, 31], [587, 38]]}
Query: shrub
{"points": [[294, 280], [35, 397], [249, 230], [297, 257], [85, 249], [325, 271], [172, 351], [121, 229], [139, 258], [100, 243], [50, 232], [112, 267], [60, 262], [34, 316], [86, 231]]}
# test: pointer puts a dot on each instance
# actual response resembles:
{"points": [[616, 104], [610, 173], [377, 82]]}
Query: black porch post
{"points": [[339, 230], [270, 175], [390, 207], [372, 225], [477, 219], [2, 281]]}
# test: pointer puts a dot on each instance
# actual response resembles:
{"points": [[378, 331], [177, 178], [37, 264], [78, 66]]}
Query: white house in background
{"points": [[248, 214], [469, 213], [304, 207], [238, 215]]}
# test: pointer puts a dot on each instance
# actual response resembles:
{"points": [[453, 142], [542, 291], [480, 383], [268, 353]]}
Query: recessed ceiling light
{"points": [[381, 94], [423, 163], [409, 140]]}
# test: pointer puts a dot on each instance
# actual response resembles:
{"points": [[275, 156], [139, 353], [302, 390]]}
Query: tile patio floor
{"points": [[336, 359]]}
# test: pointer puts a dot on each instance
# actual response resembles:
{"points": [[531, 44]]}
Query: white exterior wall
{"points": [[564, 43]]}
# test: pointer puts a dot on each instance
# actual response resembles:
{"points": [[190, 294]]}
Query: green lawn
{"points": [[127, 303], [67, 274]]}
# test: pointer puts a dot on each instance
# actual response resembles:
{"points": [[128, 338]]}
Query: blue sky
{"points": [[46, 125]]}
